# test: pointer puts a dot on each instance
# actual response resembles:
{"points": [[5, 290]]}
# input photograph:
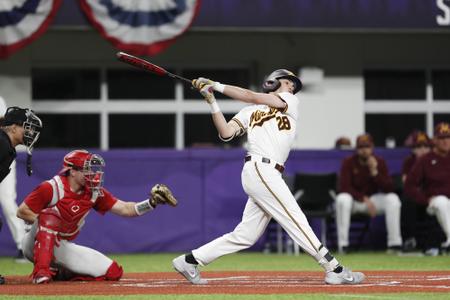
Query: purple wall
{"points": [[332, 14], [325, 14], [206, 182]]}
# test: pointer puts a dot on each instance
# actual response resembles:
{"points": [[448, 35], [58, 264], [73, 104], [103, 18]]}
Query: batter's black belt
{"points": [[266, 160]]}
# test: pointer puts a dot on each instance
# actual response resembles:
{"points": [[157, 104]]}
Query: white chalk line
{"points": [[382, 297], [277, 281]]}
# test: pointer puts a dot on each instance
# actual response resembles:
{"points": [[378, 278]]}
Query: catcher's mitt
{"points": [[161, 194]]}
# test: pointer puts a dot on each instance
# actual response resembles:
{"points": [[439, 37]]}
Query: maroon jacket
{"points": [[429, 177], [408, 163], [355, 178]]}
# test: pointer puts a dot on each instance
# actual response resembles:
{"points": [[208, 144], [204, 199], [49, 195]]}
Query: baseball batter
{"points": [[57, 209], [270, 125]]}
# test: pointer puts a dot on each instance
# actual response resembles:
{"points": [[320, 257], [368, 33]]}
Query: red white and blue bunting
{"points": [[23, 21], [141, 27]]}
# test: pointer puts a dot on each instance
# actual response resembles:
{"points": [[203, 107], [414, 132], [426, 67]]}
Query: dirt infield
{"points": [[237, 283]]}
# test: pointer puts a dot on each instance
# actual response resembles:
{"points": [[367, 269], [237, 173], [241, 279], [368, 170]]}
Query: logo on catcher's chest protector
{"points": [[75, 208]]}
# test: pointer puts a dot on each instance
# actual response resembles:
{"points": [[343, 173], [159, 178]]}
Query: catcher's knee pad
{"points": [[49, 224], [114, 272], [43, 247], [49, 218]]}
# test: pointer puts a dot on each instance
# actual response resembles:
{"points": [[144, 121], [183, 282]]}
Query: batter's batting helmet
{"points": [[91, 165], [272, 83]]}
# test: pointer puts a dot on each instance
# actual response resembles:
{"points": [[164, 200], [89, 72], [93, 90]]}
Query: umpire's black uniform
{"points": [[7, 156], [32, 126]]}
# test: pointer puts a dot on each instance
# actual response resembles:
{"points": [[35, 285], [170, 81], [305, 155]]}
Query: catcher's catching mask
{"points": [[26, 118], [91, 165], [272, 82]]}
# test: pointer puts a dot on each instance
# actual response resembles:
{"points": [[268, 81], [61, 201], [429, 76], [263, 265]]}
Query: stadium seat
{"points": [[315, 194]]}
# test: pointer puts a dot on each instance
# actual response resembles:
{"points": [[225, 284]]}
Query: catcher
{"points": [[57, 209]]}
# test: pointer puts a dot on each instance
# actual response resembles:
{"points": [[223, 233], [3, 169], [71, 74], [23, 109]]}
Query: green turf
{"points": [[255, 262]]}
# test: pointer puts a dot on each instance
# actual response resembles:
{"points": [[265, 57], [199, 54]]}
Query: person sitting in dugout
{"points": [[428, 182], [366, 187]]}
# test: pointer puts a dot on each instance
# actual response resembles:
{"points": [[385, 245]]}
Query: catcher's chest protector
{"points": [[73, 208]]}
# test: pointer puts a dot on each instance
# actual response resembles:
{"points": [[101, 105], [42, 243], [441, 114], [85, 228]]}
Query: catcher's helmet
{"points": [[272, 83], [91, 165]]}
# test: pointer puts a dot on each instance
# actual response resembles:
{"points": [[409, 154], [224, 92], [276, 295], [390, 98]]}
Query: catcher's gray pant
{"points": [[8, 197], [439, 206], [78, 259], [388, 204], [269, 196]]}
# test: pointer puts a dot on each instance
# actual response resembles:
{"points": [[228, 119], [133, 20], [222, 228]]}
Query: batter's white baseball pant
{"points": [[439, 206], [269, 196], [8, 197], [73, 257], [387, 204]]}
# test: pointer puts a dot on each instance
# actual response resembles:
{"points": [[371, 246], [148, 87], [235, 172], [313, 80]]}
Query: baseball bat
{"points": [[148, 66]]}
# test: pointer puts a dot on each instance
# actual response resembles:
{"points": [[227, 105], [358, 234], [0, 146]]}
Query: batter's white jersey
{"points": [[270, 131]]}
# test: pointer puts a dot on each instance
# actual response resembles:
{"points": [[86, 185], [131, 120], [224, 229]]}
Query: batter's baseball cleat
{"points": [[344, 277], [189, 271]]}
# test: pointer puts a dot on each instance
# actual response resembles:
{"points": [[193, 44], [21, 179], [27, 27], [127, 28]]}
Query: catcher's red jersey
{"points": [[72, 207]]}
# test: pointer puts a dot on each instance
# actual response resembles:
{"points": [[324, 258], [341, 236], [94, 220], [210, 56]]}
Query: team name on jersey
{"points": [[258, 117]]}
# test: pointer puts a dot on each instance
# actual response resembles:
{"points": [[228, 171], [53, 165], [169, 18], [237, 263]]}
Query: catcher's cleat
{"points": [[189, 271], [41, 279], [345, 277], [42, 276]]}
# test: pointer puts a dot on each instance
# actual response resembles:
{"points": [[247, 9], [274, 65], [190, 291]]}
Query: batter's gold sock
{"points": [[190, 259]]}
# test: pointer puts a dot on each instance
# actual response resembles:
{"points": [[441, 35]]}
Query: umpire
{"points": [[20, 126]]}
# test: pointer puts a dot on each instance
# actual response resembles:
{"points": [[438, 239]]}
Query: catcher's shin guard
{"points": [[43, 256], [45, 240]]}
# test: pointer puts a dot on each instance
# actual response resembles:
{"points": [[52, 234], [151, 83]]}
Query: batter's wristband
{"points": [[214, 107], [218, 87], [143, 207]]}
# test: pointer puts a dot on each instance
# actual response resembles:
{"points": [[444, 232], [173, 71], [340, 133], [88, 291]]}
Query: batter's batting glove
{"points": [[161, 194], [200, 82], [208, 93]]}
